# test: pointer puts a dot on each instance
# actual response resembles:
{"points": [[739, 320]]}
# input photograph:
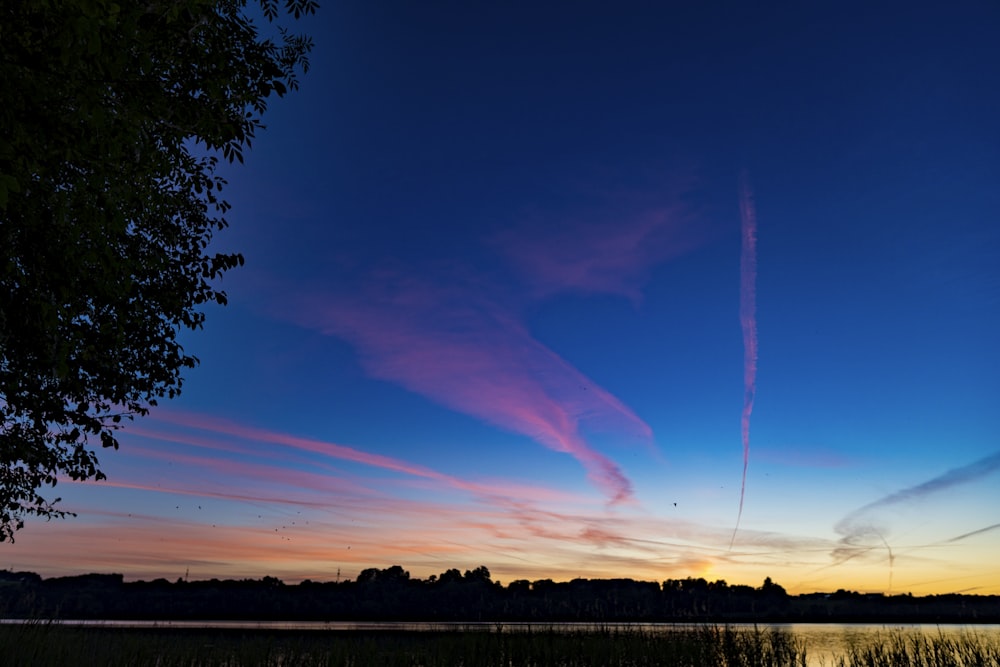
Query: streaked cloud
{"points": [[611, 252], [249, 434], [453, 336], [279, 509], [748, 323], [456, 346], [865, 531], [973, 533], [857, 519]]}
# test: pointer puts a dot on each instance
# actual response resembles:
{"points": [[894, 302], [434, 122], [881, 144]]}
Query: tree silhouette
{"points": [[113, 119], [391, 594]]}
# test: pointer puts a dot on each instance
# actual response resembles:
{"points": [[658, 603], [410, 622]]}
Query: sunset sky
{"points": [[499, 307]]}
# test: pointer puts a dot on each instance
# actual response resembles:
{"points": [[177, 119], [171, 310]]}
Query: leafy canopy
{"points": [[113, 120]]}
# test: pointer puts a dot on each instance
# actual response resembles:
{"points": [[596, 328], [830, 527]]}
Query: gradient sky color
{"points": [[491, 309]]}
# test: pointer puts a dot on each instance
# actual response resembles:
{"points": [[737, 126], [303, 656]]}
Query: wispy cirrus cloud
{"points": [[231, 515], [242, 431], [952, 478], [865, 530], [454, 338], [612, 254], [456, 346], [748, 323], [973, 533], [245, 434]]}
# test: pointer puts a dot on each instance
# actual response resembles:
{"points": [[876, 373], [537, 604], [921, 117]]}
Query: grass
{"points": [[914, 649], [45, 645]]}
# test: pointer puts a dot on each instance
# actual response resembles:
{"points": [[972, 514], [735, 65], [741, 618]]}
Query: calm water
{"points": [[823, 641]]}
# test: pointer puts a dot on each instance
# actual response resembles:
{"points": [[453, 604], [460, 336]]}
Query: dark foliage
{"points": [[392, 595], [113, 119]]}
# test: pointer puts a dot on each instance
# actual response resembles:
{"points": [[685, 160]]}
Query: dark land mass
{"points": [[392, 595]]}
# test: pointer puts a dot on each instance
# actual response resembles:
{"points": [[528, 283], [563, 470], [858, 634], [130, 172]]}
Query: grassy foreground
{"points": [[44, 645], [913, 649]]}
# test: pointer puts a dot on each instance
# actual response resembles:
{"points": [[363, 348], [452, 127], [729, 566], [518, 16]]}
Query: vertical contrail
{"points": [[748, 322], [892, 559]]}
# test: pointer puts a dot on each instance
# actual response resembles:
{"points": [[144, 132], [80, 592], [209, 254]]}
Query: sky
{"points": [[589, 289]]}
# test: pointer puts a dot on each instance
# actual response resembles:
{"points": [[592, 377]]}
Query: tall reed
{"points": [[41, 644], [913, 649]]}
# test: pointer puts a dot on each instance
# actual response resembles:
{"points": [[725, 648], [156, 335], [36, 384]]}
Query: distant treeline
{"points": [[390, 594]]}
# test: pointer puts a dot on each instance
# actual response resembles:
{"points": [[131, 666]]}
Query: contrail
{"points": [[859, 526], [974, 532], [849, 525], [748, 321], [892, 559]]}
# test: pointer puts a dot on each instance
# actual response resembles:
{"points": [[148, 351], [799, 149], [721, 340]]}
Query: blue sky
{"points": [[490, 312]]}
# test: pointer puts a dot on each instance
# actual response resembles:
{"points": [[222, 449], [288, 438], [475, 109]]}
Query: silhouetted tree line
{"points": [[390, 594]]}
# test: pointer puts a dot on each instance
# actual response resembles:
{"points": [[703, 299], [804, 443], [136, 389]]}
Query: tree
{"points": [[772, 589], [390, 575], [480, 574], [113, 120]]}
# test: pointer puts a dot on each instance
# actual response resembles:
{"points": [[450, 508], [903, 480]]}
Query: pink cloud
{"points": [[609, 256], [491, 489], [454, 346], [237, 430], [451, 341], [748, 322], [218, 493], [257, 473], [349, 527]]}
